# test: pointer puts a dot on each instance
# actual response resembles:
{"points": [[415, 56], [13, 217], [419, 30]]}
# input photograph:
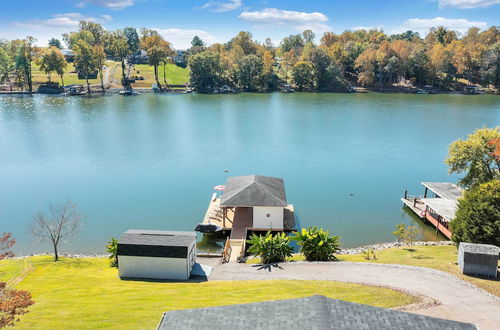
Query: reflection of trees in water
{"points": [[210, 243], [427, 231]]}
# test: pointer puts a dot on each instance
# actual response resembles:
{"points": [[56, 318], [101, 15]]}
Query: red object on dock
{"points": [[220, 187]]}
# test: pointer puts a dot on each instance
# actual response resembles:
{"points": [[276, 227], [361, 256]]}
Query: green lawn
{"points": [[175, 75], [87, 293], [442, 258]]}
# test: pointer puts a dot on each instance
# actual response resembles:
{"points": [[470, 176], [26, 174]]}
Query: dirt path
{"points": [[459, 300]]}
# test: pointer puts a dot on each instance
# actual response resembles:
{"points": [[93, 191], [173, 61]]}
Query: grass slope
{"points": [[175, 75], [87, 293], [442, 258]]}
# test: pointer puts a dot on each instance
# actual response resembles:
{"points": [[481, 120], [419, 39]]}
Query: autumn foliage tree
{"points": [[13, 303]]}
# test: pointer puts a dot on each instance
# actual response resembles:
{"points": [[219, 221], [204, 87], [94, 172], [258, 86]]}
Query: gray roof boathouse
{"points": [[316, 312], [254, 190]]}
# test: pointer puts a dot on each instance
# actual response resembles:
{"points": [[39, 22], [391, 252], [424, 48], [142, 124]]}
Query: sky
{"points": [[219, 20]]}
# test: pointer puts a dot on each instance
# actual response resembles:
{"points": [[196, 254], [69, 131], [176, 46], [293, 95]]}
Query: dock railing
{"points": [[226, 254]]}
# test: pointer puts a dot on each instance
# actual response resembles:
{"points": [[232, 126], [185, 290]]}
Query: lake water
{"points": [[151, 161]]}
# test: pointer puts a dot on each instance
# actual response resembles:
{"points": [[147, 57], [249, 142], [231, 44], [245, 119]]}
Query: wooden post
{"points": [[406, 194], [224, 210], [415, 202], [425, 192]]}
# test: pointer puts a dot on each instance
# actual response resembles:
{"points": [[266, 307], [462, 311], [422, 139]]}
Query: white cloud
{"points": [[467, 4], [220, 7], [61, 22], [181, 38], [295, 19], [368, 28], [112, 4], [422, 25]]}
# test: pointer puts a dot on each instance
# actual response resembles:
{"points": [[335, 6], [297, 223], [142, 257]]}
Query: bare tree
{"points": [[63, 221]]}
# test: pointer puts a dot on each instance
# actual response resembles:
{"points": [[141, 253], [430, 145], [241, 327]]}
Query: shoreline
{"points": [[362, 90], [349, 251]]}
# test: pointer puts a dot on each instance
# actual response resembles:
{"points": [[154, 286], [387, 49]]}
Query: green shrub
{"points": [[271, 248], [478, 215], [317, 244], [112, 248]]}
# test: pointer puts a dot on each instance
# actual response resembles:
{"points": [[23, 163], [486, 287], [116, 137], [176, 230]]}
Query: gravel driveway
{"points": [[458, 300]]}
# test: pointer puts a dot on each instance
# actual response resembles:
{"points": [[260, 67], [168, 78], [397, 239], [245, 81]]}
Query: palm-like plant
{"points": [[271, 248], [112, 248], [317, 244]]}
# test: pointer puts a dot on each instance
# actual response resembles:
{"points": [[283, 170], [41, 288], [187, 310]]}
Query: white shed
{"points": [[153, 254]]}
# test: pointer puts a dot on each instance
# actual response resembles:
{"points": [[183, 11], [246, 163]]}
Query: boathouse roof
{"points": [[446, 208], [445, 190], [254, 190], [316, 312]]}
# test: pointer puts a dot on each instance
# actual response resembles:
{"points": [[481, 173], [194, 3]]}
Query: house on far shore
{"points": [[68, 55], [316, 312], [438, 204], [250, 203], [154, 254]]}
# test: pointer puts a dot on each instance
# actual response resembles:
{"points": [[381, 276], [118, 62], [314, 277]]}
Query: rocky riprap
{"points": [[388, 245]]}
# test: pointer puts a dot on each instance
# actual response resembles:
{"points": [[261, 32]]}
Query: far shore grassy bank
{"points": [[77, 293], [443, 258]]}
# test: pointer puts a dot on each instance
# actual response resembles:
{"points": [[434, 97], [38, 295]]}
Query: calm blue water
{"points": [[151, 161]]}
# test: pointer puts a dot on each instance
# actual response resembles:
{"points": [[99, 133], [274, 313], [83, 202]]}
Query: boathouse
{"points": [[154, 254], [250, 203], [315, 312], [437, 205]]}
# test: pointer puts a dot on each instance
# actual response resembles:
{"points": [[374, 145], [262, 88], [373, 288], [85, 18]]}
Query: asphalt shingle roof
{"points": [[254, 190], [316, 312]]}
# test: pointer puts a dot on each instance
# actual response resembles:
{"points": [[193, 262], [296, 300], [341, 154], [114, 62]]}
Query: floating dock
{"points": [[439, 210]]}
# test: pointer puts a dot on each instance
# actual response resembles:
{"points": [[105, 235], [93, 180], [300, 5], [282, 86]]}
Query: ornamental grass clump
{"points": [[270, 248], [317, 244]]}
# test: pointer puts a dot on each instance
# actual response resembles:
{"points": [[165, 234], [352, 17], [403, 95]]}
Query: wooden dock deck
{"points": [[415, 205], [419, 208]]}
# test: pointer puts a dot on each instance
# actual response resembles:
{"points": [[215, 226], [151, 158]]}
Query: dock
{"points": [[439, 210]]}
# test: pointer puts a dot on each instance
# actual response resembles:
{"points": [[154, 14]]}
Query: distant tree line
{"points": [[91, 46], [444, 58]]}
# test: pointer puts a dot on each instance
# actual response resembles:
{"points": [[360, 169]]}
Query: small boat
{"points": [[422, 91], [224, 89], [287, 89], [351, 89], [207, 228], [128, 91], [76, 90]]}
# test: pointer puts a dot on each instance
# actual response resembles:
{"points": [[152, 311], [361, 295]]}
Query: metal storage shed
{"points": [[152, 254], [478, 259]]}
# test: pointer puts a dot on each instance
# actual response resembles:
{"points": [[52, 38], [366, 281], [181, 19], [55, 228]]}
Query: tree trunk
{"points": [[30, 82], [56, 254], [123, 73], [165, 73], [62, 81], [156, 78], [100, 77], [88, 84]]}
